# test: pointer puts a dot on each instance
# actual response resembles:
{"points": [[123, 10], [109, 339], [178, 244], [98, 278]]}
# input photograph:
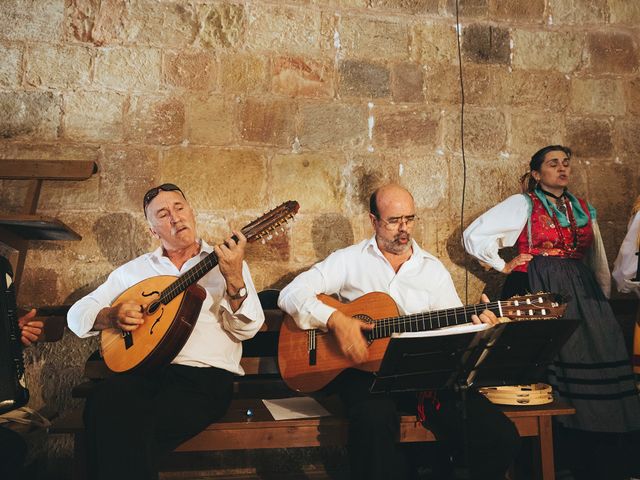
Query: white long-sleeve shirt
{"points": [[216, 338], [626, 263], [500, 227], [421, 284]]}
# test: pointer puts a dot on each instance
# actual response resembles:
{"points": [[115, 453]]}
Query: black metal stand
{"points": [[509, 353]]}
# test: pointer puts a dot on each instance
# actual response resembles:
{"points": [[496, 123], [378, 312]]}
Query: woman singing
{"points": [[560, 250]]}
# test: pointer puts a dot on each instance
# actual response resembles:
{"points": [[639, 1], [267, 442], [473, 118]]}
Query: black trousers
{"points": [[13, 450], [131, 419], [492, 438]]}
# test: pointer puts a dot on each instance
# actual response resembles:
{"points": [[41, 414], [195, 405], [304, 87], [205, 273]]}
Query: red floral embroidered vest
{"points": [[549, 238]]}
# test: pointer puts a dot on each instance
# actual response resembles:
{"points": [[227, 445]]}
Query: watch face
{"points": [[242, 292]]}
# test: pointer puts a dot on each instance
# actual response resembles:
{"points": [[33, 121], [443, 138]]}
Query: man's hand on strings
{"points": [[487, 316], [349, 335]]}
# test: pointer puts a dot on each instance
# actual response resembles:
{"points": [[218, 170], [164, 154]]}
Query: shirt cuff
{"points": [[321, 313]]}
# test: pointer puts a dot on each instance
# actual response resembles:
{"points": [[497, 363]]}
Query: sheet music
{"points": [[457, 329]]}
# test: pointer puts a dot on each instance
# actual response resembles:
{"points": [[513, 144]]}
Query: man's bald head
{"points": [[386, 193]]}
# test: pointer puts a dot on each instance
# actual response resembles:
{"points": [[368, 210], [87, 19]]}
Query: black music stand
{"points": [[506, 354], [509, 353]]}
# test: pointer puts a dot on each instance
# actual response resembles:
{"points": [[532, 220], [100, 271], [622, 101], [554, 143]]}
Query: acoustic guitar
{"points": [[309, 359], [172, 306]]}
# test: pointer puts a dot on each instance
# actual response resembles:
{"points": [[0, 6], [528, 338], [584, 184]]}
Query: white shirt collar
{"points": [[205, 249]]}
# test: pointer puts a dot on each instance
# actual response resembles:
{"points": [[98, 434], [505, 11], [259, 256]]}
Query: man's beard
{"points": [[394, 246]]}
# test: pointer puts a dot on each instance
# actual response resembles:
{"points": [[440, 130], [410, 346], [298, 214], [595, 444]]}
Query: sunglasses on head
{"points": [[153, 193]]}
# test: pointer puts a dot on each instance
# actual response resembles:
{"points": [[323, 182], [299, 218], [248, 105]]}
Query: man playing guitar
{"points": [[393, 263], [133, 417]]}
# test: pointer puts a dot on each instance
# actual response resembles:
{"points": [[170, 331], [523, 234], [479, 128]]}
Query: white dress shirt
{"points": [[626, 264], [421, 284], [501, 226], [216, 338]]}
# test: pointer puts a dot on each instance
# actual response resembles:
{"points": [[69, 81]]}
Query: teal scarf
{"points": [[578, 212]]}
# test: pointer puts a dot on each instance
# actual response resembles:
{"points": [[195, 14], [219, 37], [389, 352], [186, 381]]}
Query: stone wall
{"points": [[247, 104]]}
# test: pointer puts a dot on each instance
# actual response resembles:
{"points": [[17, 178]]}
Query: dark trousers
{"points": [[131, 419], [13, 450], [492, 438]]}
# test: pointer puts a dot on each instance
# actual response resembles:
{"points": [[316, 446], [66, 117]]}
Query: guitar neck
{"points": [[189, 278], [421, 322]]}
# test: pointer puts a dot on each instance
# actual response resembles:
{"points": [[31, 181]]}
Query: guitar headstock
{"points": [[535, 306], [261, 228]]}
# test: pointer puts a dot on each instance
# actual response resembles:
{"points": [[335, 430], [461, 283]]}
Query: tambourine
{"points": [[534, 394]]}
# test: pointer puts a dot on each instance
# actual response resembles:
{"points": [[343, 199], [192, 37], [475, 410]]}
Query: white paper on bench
{"points": [[295, 407]]}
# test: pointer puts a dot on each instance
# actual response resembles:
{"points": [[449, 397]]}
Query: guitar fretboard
{"points": [[421, 322]]}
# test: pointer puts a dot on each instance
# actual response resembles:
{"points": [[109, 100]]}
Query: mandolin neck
{"points": [[420, 322]]}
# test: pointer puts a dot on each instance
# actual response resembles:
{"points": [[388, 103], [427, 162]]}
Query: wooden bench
{"points": [[239, 431]]}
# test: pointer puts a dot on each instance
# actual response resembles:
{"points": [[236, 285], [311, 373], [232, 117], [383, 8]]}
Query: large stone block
{"points": [[144, 22], [57, 67], [628, 141], [624, 11], [31, 20], [168, 24], [126, 174], [545, 50], [315, 236], [10, 60], [371, 38], [490, 179], [485, 131], [244, 73], [284, 29], [407, 82], [532, 131], [405, 127], [316, 180], [518, 10], [210, 175], [29, 115], [156, 120], [486, 44], [223, 25], [191, 70], [407, 6], [300, 77], [589, 137], [332, 125], [128, 68], [211, 120], [611, 203], [434, 43], [270, 122], [427, 178], [611, 52], [578, 12], [468, 8], [597, 96], [541, 91], [94, 116], [632, 95], [442, 84], [363, 79]]}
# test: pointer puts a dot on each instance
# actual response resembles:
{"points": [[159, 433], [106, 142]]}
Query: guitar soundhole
{"points": [[368, 335]]}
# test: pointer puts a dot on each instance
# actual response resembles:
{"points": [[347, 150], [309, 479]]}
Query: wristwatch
{"points": [[241, 294]]}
